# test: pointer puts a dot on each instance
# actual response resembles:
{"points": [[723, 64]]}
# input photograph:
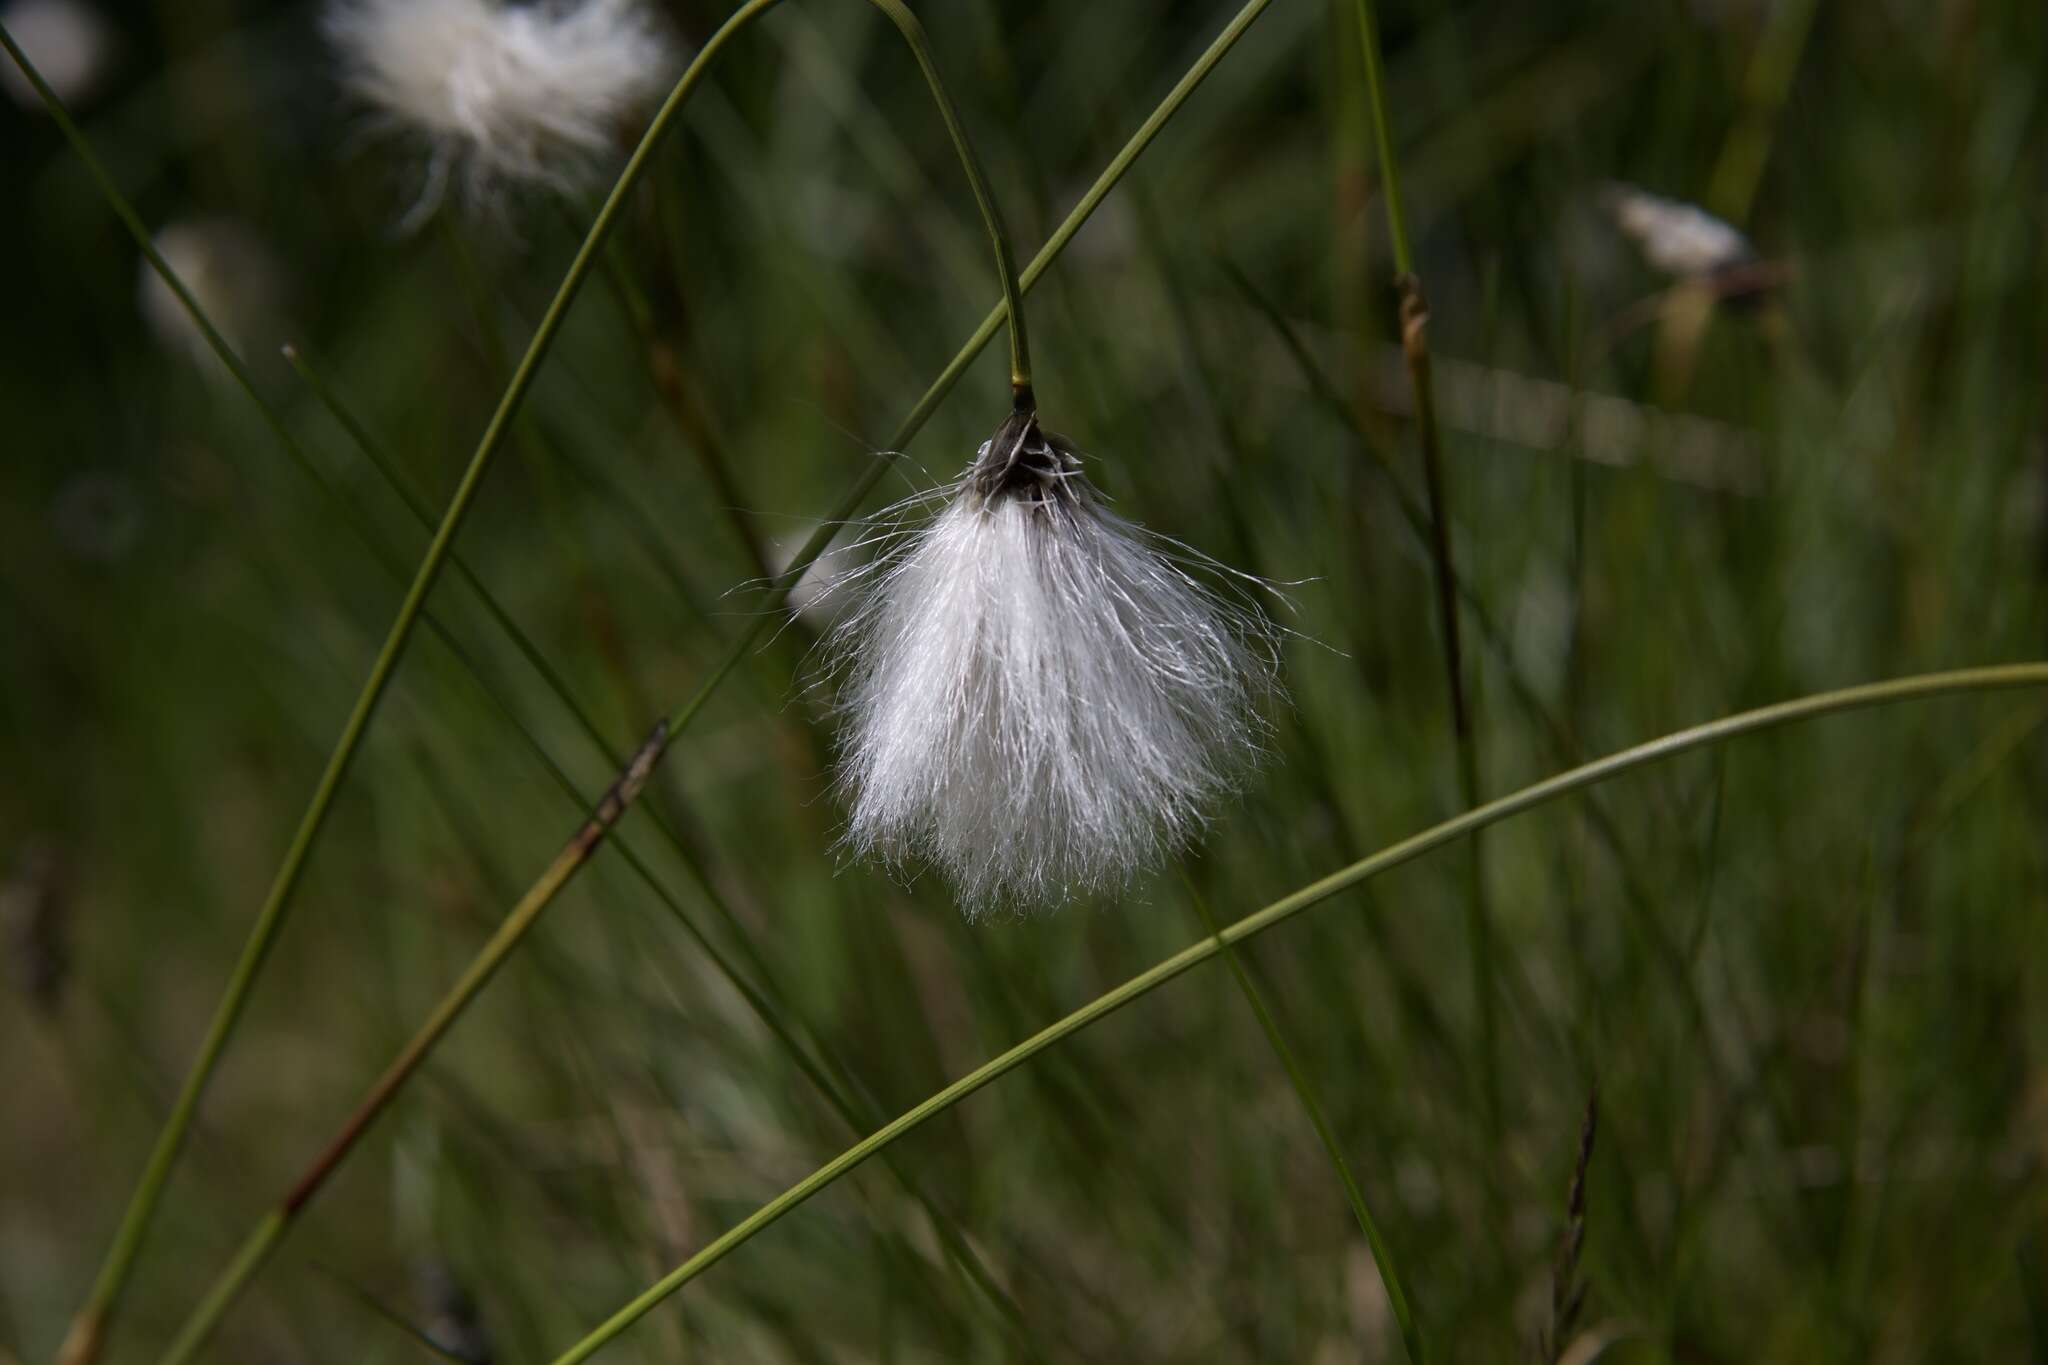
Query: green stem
{"points": [[89, 1329], [2000, 677], [1390, 171], [1415, 351], [1731, 189], [984, 199], [249, 1257], [1382, 1254]]}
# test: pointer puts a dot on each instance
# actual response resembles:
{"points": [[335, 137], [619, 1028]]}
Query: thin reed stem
{"points": [[1383, 138], [265, 1237], [984, 198], [1995, 678], [1415, 350], [685, 408], [920, 414], [1304, 1088]]}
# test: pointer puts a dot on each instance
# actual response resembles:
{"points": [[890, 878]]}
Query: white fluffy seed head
{"points": [[1041, 700], [1675, 237], [502, 93]]}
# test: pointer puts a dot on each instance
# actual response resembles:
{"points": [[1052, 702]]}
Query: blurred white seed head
{"points": [[1041, 699], [813, 597], [501, 94], [1675, 237], [69, 42], [234, 277]]}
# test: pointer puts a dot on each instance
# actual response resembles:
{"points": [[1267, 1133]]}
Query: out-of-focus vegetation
{"points": [[1806, 969]]}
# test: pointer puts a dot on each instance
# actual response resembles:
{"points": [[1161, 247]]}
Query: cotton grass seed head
{"points": [[1676, 237], [1041, 699], [502, 94]]}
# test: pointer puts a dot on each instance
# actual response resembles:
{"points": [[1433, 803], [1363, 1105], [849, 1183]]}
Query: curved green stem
{"points": [[1999, 677], [1443, 573], [991, 217], [1383, 138]]}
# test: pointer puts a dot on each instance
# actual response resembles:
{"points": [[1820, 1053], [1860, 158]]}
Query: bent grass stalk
{"points": [[991, 217], [264, 1239], [1382, 1254], [1918, 687], [1415, 350], [88, 1330]]}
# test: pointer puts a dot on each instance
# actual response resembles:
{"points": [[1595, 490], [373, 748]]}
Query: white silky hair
{"points": [[499, 93], [1041, 700]]}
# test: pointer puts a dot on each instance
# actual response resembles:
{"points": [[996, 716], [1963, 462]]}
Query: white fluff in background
{"points": [[813, 597], [500, 93], [1676, 237], [1041, 700], [231, 274], [69, 42]]}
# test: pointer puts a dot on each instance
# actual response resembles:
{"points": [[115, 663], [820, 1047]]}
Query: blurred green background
{"points": [[1805, 969]]}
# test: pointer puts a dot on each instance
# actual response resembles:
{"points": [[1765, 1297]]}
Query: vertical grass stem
{"points": [[1415, 350]]}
